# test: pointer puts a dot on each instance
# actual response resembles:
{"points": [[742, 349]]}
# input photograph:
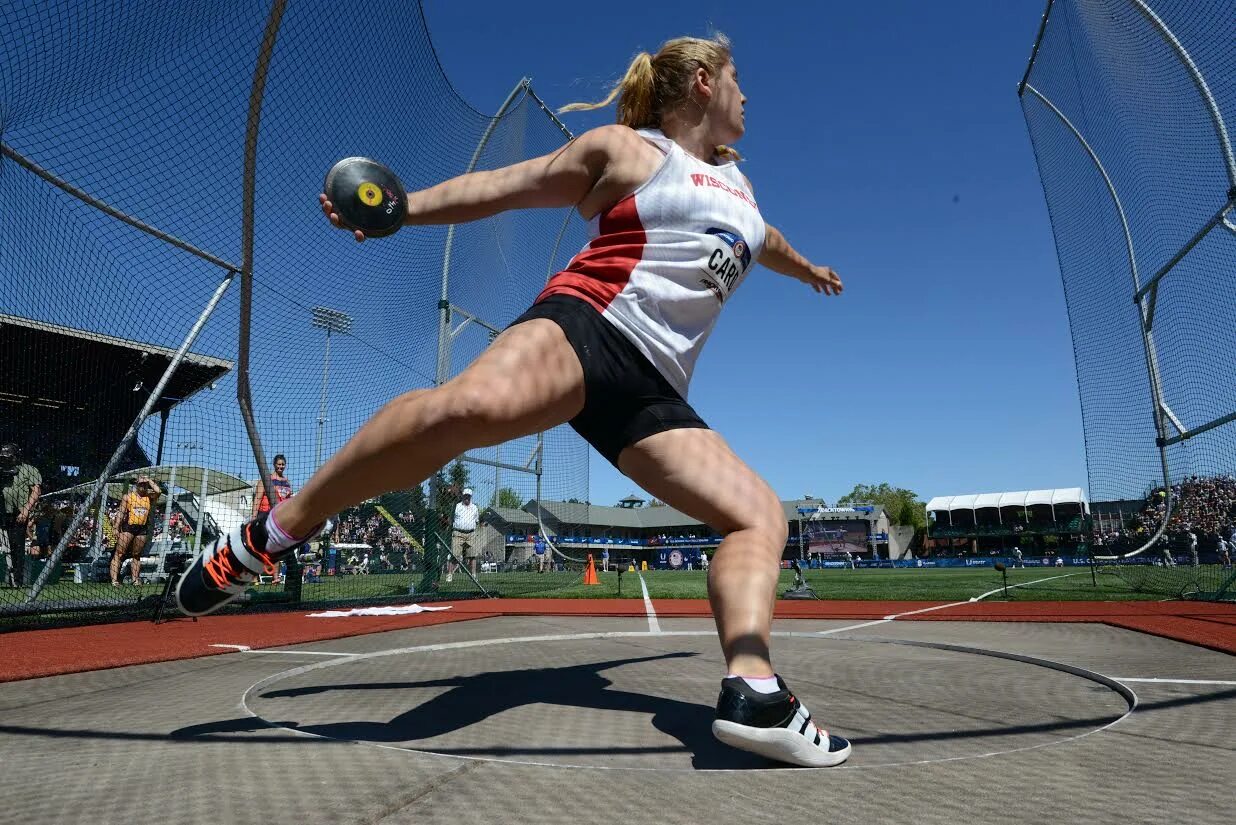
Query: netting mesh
{"points": [[144, 107], [1128, 103]]}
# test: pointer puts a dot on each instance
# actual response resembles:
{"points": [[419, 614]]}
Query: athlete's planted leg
{"points": [[695, 471]]}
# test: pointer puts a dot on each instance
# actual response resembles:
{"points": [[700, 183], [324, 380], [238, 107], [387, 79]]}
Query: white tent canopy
{"points": [[987, 500], [1024, 499], [956, 503]]}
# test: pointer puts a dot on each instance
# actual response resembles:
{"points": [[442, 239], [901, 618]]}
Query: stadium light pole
{"points": [[331, 320]]}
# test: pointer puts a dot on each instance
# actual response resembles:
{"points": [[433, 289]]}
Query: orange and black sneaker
{"points": [[225, 568]]}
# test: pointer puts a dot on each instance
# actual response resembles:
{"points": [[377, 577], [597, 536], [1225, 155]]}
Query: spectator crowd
{"points": [[1202, 519]]}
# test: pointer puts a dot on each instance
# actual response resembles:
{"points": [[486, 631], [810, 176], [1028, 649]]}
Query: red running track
{"points": [[33, 653]]}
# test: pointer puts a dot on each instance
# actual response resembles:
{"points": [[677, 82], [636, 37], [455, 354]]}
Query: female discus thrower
{"points": [[609, 345]]}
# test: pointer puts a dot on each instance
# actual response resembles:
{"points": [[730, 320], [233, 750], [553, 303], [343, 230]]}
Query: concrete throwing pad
{"points": [[630, 700], [506, 699]]}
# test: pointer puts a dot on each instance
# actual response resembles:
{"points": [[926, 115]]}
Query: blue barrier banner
{"points": [[990, 561], [985, 561], [704, 541]]}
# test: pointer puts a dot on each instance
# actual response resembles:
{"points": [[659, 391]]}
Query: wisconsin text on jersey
{"points": [[700, 179]]}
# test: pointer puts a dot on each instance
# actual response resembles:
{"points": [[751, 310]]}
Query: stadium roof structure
{"points": [[512, 516], [639, 518], [1023, 499], [43, 345], [81, 390]]}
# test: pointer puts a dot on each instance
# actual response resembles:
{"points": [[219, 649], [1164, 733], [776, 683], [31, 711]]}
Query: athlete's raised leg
{"points": [[528, 380]]}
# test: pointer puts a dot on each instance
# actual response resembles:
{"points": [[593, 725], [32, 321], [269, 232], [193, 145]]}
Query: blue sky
{"points": [[886, 140]]}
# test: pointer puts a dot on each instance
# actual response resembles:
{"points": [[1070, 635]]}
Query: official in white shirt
{"points": [[463, 543]]}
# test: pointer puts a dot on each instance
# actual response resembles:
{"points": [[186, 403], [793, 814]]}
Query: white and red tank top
{"points": [[663, 260]]}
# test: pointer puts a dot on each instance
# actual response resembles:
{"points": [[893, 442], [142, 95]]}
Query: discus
{"points": [[366, 196]]}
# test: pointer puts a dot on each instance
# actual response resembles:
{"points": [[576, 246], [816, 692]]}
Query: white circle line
{"points": [[1124, 690]]}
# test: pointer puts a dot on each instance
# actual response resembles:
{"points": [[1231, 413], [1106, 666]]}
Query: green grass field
{"points": [[892, 585], [952, 584]]}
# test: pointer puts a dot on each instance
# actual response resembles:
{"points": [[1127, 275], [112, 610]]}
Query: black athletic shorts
{"points": [[626, 398]]}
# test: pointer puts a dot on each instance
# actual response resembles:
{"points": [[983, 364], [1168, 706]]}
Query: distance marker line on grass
{"points": [[653, 625], [1026, 584], [971, 600]]}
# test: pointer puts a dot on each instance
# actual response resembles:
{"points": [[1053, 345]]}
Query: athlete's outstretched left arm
{"points": [[780, 257]]}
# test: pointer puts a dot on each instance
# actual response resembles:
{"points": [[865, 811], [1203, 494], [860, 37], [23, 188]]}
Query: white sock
{"points": [[277, 539], [765, 684]]}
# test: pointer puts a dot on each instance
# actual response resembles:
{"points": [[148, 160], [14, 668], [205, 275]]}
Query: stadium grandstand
{"points": [[68, 395], [1038, 522], [634, 530], [1203, 518]]}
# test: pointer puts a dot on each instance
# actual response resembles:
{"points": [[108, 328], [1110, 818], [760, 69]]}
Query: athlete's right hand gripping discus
{"points": [[366, 196]]}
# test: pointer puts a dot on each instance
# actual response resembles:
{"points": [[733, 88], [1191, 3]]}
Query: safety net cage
{"points": [[174, 305], [1129, 104]]}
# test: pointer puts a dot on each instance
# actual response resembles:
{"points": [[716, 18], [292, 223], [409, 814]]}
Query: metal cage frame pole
{"points": [[111, 211], [446, 334], [201, 509], [331, 321], [244, 394], [566, 221], [97, 543], [317, 447], [442, 373], [147, 408], [1222, 216], [1034, 51], [1195, 74], [1152, 364], [168, 497]]}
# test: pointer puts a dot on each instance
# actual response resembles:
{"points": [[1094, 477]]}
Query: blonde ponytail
{"points": [[635, 93], [654, 84]]}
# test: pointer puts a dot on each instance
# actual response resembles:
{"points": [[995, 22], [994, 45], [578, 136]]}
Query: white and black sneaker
{"points": [[775, 725]]}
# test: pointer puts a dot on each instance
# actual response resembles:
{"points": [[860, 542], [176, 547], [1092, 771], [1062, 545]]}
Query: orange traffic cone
{"points": [[590, 575]]}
